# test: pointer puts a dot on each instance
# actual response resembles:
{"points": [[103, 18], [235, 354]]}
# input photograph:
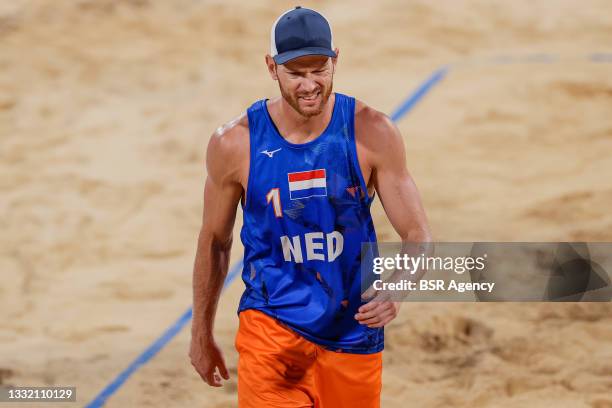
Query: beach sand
{"points": [[105, 114]]}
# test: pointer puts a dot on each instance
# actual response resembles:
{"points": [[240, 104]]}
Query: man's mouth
{"points": [[310, 97]]}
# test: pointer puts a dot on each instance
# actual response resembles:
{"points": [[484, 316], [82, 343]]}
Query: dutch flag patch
{"points": [[305, 184]]}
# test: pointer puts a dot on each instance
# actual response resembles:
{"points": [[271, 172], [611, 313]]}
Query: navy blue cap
{"points": [[299, 32]]}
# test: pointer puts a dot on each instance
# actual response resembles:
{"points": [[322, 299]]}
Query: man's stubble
{"points": [[293, 102]]}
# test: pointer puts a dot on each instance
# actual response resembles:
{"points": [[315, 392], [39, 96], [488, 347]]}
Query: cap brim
{"points": [[293, 54]]}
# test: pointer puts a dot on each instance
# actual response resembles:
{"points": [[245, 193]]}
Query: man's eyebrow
{"points": [[291, 71]]}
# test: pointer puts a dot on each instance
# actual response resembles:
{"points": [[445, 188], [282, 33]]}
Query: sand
{"points": [[105, 112]]}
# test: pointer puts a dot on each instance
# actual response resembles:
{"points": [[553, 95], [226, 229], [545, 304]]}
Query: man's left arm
{"points": [[385, 155]]}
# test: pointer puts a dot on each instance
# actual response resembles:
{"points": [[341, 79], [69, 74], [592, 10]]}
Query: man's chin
{"points": [[309, 109]]}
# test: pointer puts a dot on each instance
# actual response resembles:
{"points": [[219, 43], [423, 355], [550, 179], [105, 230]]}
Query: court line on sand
{"points": [[234, 271], [155, 347]]}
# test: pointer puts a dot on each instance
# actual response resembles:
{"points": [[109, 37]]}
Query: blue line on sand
{"points": [[154, 348], [418, 94], [176, 327], [601, 57]]}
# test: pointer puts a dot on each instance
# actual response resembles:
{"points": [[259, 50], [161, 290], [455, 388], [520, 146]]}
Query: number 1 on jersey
{"points": [[274, 196]]}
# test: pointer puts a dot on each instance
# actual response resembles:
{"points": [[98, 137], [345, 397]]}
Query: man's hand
{"points": [[206, 357], [377, 313]]}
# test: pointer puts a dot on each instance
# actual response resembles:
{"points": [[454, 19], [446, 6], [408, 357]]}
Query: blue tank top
{"points": [[306, 214]]}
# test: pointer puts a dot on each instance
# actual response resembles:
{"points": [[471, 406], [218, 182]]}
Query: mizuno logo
{"points": [[270, 154]]}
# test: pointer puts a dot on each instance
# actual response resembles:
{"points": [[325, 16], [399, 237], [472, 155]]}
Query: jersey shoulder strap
{"points": [[257, 123]]}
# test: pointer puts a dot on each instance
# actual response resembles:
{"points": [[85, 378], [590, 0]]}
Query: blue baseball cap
{"points": [[299, 32]]}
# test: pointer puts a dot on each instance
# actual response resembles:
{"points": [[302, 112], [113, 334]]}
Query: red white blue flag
{"points": [[304, 184]]}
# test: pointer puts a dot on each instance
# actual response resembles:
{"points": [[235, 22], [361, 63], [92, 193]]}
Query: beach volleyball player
{"points": [[305, 167]]}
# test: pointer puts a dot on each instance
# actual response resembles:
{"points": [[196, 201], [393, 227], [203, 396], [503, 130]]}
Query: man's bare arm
{"points": [[225, 162], [394, 184], [385, 157]]}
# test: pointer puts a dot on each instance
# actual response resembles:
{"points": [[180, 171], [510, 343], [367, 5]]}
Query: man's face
{"points": [[306, 83]]}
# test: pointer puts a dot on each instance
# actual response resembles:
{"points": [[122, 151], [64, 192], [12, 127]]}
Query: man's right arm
{"points": [[226, 160]]}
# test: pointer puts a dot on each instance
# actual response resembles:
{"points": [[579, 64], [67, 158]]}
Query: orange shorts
{"points": [[279, 368]]}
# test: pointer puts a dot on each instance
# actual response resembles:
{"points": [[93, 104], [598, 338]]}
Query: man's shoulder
{"points": [[372, 126], [365, 112], [230, 137], [234, 130], [228, 148]]}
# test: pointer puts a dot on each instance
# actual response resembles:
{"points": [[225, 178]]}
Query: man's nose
{"points": [[308, 84]]}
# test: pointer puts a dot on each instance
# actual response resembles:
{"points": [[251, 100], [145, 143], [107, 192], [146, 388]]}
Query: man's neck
{"points": [[297, 128]]}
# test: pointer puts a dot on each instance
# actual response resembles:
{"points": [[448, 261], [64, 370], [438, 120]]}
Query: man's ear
{"points": [[335, 60], [271, 67]]}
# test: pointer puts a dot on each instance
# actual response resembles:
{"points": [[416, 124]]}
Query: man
{"points": [[305, 167]]}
